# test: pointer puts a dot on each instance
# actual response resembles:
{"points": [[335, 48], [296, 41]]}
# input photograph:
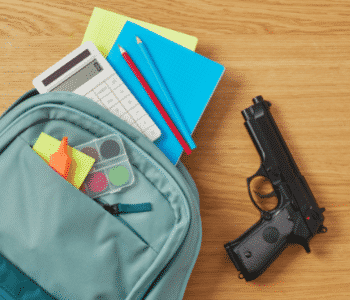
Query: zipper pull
{"points": [[119, 208]]}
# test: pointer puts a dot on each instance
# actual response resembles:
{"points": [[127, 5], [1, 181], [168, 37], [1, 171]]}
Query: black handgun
{"points": [[295, 219]]}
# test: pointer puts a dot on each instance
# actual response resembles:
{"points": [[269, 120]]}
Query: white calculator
{"points": [[86, 72]]}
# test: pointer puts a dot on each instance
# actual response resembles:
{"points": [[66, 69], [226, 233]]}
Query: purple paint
{"points": [[91, 152]]}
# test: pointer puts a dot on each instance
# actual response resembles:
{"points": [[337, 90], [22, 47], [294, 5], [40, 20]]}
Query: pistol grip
{"points": [[260, 245]]}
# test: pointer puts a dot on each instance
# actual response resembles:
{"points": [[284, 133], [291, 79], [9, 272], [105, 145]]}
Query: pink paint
{"points": [[97, 182]]}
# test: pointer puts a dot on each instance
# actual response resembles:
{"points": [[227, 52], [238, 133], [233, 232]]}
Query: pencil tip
{"points": [[138, 40], [121, 49]]}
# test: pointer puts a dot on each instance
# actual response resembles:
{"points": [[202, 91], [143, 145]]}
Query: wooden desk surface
{"points": [[295, 54]]}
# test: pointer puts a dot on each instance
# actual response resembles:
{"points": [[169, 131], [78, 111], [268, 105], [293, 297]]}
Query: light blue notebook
{"points": [[191, 80]]}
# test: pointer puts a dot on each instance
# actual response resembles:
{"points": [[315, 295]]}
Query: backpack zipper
{"points": [[119, 208]]}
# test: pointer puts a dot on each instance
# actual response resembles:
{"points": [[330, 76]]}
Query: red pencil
{"points": [[155, 101]]}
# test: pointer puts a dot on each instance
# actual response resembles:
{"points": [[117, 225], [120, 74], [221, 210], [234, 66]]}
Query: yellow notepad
{"points": [[80, 165], [105, 26]]}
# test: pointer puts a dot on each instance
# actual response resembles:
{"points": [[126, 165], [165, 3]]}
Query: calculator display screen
{"points": [[80, 77]]}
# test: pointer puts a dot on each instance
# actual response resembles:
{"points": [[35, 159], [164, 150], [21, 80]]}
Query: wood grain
{"points": [[293, 53]]}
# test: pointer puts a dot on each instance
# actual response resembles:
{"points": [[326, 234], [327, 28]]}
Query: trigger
{"points": [[261, 172], [269, 195]]}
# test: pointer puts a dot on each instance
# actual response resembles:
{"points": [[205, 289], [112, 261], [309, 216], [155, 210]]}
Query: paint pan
{"points": [[103, 149], [112, 170]]}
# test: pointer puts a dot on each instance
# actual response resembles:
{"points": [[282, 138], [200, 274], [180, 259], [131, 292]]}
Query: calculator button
{"points": [[109, 101], [127, 118], [114, 82], [104, 106], [121, 92], [152, 133], [92, 96], [137, 112], [136, 126], [129, 102], [102, 90], [145, 122], [118, 109]]}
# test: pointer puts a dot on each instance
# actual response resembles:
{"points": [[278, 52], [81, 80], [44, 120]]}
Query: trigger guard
{"points": [[261, 172]]}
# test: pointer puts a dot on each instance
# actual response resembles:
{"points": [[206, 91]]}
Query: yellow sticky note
{"points": [[105, 26], [81, 163]]}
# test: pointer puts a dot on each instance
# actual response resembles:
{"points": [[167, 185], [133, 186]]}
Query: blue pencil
{"points": [[179, 122]]}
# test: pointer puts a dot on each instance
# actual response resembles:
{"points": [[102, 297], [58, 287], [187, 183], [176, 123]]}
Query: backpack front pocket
{"points": [[62, 238]]}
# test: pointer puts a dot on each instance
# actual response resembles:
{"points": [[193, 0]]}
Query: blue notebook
{"points": [[190, 78]]}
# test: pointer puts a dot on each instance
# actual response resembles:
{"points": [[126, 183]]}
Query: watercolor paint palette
{"points": [[111, 171]]}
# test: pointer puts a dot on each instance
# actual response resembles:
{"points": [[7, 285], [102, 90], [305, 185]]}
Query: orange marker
{"points": [[60, 161]]}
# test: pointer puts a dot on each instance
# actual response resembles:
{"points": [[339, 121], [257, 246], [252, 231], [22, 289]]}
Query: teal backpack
{"points": [[58, 243]]}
